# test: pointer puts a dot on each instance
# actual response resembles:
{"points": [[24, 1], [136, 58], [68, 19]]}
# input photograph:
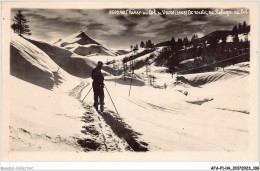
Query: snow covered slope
{"points": [[56, 122], [90, 49], [43, 123], [83, 45], [213, 89], [121, 52], [74, 64], [222, 87], [44, 120], [31, 64], [140, 55], [158, 119], [80, 38], [167, 121]]}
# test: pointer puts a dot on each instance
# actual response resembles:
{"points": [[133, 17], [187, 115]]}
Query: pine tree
{"points": [[135, 48], [240, 28], [173, 41], [20, 24], [179, 43], [14, 27], [185, 41], [244, 27], [234, 31], [142, 44], [152, 46], [148, 44], [194, 37], [244, 24]]}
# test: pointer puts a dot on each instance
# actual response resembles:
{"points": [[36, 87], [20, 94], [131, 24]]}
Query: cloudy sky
{"points": [[121, 31]]}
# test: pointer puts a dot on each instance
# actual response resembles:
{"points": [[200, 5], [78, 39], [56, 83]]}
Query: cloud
{"points": [[122, 31]]}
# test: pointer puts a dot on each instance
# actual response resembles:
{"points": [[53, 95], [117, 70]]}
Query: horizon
{"points": [[121, 31]]}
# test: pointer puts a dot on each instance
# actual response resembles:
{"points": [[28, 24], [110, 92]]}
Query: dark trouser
{"points": [[98, 96]]}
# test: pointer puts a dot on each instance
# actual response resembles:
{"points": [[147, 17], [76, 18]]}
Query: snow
{"points": [[168, 122], [70, 39], [44, 120], [71, 47], [229, 38], [119, 59], [121, 51], [72, 43], [89, 49], [41, 60], [187, 61], [163, 117], [232, 80], [202, 86], [44, 112], [216, 123], [241, 37], [34, 55], [244, 37], [202, 112], [144, 57]]}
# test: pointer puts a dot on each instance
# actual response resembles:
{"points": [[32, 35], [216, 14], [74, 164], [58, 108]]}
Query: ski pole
{"points": [[111, 99], [87, 94]]}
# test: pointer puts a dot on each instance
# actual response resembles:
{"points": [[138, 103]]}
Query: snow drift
{"points": [[74, 64], [31, 64]]}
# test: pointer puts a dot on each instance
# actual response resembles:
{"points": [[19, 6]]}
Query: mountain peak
{"points": [[85, 39], [79, 37], [81, 32]]}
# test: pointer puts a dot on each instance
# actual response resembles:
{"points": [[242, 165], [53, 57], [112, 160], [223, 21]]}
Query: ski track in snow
{"points": [[105, 139], [112, 129], [122, 130]]}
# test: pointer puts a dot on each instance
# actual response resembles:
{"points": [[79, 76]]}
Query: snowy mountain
{"points": [[83, 45], [80, 38], [74, 64], [192, 112]]}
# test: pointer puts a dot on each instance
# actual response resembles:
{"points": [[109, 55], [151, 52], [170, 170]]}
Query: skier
{"points": [[98, 85]]}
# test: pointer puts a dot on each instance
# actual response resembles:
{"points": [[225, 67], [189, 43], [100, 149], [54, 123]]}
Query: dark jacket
{"points": [[98, 79]]}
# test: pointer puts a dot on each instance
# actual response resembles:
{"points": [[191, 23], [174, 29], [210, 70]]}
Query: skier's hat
{"points": [[100, 63]]}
